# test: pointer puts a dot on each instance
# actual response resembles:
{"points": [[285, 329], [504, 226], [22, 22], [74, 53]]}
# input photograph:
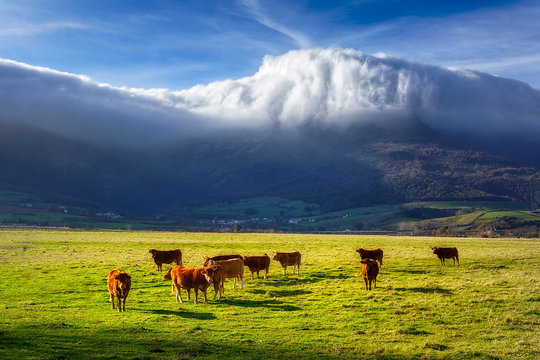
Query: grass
{"points": [[54, 303]]}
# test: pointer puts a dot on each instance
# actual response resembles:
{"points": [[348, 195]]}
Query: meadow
{"points": [[54, 303]]}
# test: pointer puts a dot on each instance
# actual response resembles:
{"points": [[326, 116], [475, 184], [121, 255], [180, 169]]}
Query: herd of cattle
{"points": [[219, 268]]}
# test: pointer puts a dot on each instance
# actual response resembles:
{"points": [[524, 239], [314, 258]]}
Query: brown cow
{"points": [[166, 257], [369, 271], [257, 263], [220, 257], [232, 268], [446, 253], [375, 254], [288, 259], [193, 278], [119, 284]]}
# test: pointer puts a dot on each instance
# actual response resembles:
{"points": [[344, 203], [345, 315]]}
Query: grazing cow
{"points": [[193, 278], [375, 254], [119, 284], [288, 259], [166, 257], [446, 253], [257, 263], [369, 271], [232, 268], [220, 257]]}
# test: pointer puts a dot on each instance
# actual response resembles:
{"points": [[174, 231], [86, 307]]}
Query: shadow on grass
{"points": [[270, 304], [102, 343], [280, 293], [184, 314], [307, 278], [426, 290]]}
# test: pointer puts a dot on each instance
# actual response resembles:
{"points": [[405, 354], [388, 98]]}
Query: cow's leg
{"points": [[111, 299], [188, 293], [257, 274], [298, 270], [457, 259], [119, 303], [205, 299], [375, 283], [365, 281], [196, 294], [265, 273], [124, 304], [159, 267], [234, 283], [284, 269], [172, 288], [252, 275]]}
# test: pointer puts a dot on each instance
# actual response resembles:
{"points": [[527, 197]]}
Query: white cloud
{"points": [[333, 87], [254, 9]]}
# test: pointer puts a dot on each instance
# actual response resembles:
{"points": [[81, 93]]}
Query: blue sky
{"points": [[178, 44]]}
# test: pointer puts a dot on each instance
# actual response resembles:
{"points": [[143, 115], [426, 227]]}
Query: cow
{"points": [[166, 257], [446, 253], [232, 268], [369, 271], [118, 284], [257, 263], [193, 278], [375, 254], [220, 257], [288, 259]]}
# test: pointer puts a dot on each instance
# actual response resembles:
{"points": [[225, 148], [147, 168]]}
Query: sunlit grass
{"points": [[54, 302]]}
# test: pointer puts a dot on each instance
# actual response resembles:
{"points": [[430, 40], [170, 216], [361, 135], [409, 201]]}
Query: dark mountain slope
{"points": [[335, 168]]}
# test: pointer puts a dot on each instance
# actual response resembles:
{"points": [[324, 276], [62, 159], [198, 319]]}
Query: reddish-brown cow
{"points": [[446, 253], [220, 257], [166, 257], [232, 268], [369, 271], [193, 278], [289, 259], [257, 263], [375, 254], [119, 284]]}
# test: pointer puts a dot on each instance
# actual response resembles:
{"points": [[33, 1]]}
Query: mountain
{"points": [[328, 126]]}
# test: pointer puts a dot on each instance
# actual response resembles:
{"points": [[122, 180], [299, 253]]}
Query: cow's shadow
{"points": [[426, 290], [280, 293], [306, 278], [184, 314], [271, 304]]}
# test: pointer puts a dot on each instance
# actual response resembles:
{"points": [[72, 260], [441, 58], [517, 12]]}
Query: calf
{"points": [[446, 253], [220, 257], [257, 263], [288, 259], [166, 257], [119, 284], [193, 278], [369, 271], [232, 268], [375, 254]]}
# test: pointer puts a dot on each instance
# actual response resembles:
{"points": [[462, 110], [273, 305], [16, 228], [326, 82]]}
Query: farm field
{"points": [[54, 303]]}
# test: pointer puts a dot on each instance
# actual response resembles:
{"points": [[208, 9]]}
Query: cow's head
{"points": [[435, 250], [207, 275], [153, 252], [214, 271], [123, 279], [168, 276], [277, 256], [367, 261], [244, 259], [206, 260]]}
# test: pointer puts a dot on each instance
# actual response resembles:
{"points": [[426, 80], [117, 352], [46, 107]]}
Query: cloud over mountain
{"points": [[332, 87]]}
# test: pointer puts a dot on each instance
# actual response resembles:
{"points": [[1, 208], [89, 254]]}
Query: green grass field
{"points": [[54, 302]]}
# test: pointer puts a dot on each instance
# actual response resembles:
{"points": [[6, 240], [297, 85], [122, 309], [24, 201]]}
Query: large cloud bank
{"points": [[333, 87]]}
